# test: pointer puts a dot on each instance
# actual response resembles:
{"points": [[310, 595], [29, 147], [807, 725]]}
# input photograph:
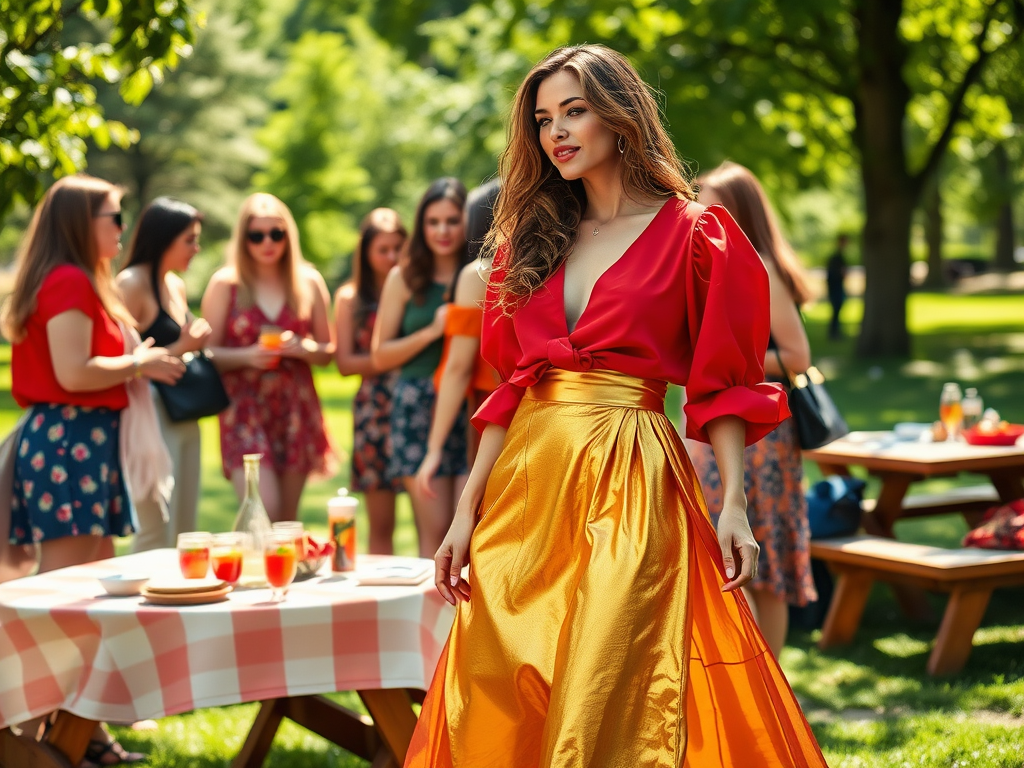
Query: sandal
{"points": [[99, 753]]}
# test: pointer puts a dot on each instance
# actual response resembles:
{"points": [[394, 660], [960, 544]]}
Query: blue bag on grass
{"points": [[833, 506]]}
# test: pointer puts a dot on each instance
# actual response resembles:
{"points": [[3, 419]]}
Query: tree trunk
{"points": [[890, 192], [933, 235], [886, 254], [1004, 261]]}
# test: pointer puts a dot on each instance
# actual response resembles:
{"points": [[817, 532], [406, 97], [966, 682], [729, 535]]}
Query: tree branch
{"points": [[956, 101], [809, 74]]}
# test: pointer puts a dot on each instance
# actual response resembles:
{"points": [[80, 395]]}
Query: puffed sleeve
{"points": [[728, 317], [499, 346], [67, 287]]}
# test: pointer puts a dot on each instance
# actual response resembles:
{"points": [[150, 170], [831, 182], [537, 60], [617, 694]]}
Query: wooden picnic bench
{"points": [[968, 575]]}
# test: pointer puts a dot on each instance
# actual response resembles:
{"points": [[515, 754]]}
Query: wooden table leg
{"points": [[1009, 485], [392, 714], [261, 735], [956, 634], [70, 735], [889, 506], [22, 751], [888, 509], [846, 608]]}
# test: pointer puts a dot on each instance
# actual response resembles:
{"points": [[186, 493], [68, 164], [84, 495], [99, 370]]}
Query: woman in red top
{"points": [[69, 367], [602, 622]]}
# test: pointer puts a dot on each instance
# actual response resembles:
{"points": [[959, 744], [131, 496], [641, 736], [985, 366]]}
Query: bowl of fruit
{"points": [[315, 552], [993, 431]]}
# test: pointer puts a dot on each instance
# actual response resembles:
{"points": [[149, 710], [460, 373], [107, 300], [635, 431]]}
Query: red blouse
{"points": [[32, 376], [686, 303]]}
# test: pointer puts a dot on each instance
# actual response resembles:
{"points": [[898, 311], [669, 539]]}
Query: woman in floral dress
{"points": [[774, 468], [268, 288], [381, 239]]}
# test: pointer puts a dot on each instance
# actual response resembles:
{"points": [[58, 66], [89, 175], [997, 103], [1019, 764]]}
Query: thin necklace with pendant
{"points": [[596, 231]]}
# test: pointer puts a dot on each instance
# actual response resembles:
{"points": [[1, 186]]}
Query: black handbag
{"points": [[198, 393], [818, 421]]}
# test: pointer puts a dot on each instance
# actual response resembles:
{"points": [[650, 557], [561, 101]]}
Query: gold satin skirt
{"points": [[597, 634]]}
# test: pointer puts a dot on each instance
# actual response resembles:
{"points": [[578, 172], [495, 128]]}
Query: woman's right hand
{"points": [[262, 358], [157, 364], [453, 555], [194, 335], [439, 321], [425, 474]]}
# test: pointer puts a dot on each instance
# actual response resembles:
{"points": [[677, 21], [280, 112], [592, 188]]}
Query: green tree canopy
{"points": [[48, 105]]}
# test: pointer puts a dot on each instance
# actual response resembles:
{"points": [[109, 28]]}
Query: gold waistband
{"points": [[599, 388]]}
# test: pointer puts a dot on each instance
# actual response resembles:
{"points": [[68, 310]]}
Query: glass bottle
{"points": [[252, 522], [972, 407], [951, 409]]}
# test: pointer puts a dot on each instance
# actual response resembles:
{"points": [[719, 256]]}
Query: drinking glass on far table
{"points": [[280, 562], [226, 556], [270, 339], [951, 409], [194, 554]]}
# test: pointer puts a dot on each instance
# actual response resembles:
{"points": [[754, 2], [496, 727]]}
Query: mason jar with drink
{"points": [[341, 522]]}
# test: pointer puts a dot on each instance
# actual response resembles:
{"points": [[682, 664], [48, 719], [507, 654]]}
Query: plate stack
{"points": [[186, 591]]}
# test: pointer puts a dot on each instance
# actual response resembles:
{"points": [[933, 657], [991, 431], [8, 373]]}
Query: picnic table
{"points": [[968, 577], [900, 464], [65, 645]]}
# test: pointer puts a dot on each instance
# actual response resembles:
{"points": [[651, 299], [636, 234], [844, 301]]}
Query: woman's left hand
{"points": [[292, 345], [737, 540]]}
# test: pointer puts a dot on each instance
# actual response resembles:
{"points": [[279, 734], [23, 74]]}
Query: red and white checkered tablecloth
{"points": [[66, 644]]}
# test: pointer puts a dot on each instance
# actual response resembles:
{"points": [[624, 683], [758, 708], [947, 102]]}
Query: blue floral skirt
{"points": [[67, 476], [412, 408]]}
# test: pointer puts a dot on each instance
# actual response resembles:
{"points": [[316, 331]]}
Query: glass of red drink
{"points": [[226, 556], [294, 527], [280, 561], [194, 554]]}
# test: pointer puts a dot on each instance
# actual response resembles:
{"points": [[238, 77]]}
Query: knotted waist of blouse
{"points": [[601, 387]]}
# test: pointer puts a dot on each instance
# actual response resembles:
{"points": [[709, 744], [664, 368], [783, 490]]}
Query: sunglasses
{"points": [[256, 236], [117, 216]]}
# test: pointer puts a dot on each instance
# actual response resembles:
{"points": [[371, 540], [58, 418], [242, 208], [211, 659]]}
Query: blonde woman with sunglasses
{"points": [[268, 309]]}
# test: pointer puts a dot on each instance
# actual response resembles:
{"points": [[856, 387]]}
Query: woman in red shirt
{"points": [[69, 367], [602, 622]]}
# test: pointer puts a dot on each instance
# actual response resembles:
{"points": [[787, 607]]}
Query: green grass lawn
{"points": [[871, 705]]}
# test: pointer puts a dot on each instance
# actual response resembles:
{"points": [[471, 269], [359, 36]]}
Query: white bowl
{"points": [[123, 584]]}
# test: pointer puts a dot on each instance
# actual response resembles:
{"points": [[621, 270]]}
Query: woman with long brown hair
{"points": [[165, 241], [268, 291], [776, 507], [69, 368], [381, 239], [407, 336], [602, 622]]}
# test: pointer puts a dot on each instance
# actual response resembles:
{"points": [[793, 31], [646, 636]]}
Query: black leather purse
{"points": [[198, 393], [818, 421]]}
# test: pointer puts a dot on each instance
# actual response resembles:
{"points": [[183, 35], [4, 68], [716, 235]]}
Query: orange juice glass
{"points": [[294, 527], [226, 556], [280, 563], [270, 339], [194, 554]]}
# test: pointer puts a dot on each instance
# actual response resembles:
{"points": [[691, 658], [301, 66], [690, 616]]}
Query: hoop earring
{"points": [[621, 144]]}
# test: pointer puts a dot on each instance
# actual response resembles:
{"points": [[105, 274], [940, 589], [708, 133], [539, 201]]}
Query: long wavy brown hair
{"points": [[538, 212], [61, 232], [743, 196], [297, 295], [418, 269]]}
